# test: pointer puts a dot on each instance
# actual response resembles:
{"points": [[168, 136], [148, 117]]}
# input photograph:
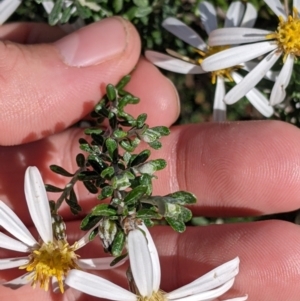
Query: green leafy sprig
{"points": [[114, 170]]}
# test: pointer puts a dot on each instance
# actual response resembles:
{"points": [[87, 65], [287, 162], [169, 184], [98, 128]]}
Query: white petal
{"points": [[237, 55], [252, 78], [270, 75], [172, 64], [140, 262], [18, 282], [11, 222], [97, 286], [250, 16], [296, 4], [38, 204], [48, 6], [276, 7], [208, 16], [208, 295], [234, 14], [257, 99], [154, 259], [55, 285], [278, 92], [9, 243], [238, 298], [184, 32], [219, 104], [84, 239], [9, 263], [237, 35], [99, 263], [213, 279], [7, 8]]}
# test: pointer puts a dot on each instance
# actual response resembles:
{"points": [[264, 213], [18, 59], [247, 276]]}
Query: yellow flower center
{"points": [[156, 296], [225, 73], [288, 34], [53, 259]]}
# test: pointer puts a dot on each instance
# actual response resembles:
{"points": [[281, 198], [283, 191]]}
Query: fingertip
{"points": [[159, 96]]}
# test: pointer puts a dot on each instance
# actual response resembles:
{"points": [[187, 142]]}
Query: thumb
{"points": [[47, 87]]}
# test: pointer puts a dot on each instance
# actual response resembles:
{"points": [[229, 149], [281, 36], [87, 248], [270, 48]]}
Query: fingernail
{"points": [[94, 44]]}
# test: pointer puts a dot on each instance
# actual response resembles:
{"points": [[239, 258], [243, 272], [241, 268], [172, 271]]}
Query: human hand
{"points": [[234, 169]]}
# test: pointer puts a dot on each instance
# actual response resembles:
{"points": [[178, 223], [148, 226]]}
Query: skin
{"points": [[235, 169]]}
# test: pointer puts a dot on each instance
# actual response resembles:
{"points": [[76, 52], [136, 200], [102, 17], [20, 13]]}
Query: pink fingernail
{"points": [[94, 44]]}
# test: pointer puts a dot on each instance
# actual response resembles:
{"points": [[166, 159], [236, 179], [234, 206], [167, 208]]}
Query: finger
{"points": [[241, 168], [45, 88], [30, 33], [268, 252], [158, 96]]}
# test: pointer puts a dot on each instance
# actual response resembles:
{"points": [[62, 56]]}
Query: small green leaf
{"points": [[90, 131], [123, 82], [111, 92], [142, 12], [84, 145], [106, 192], [108, 172], [119, 134], [117, 5], [183, 197], [186, 214], [80, 160], [112, 147], [89, 222], [162, 130], [51, 188], [73, 202], [146, 180], [118, 244], [90, 187], [103, 210], [130, 14], [141, 158], [148, 222], [118, 259], [61, 171], [83, 12], [140, 121], [127, 146], [126, 157], [177, 225], [155, 144], [141, 3], [93, 234], [55, 14], [148, 214], [87, 175], [135, 194], [66, 15]]}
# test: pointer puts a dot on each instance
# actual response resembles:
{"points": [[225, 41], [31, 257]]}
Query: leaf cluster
{"points": [[118, 175]]}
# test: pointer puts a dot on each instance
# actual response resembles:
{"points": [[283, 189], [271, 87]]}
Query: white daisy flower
{"points": [[285, 42], [145, 268], [48, 258], [7, 8], [238, 14]]}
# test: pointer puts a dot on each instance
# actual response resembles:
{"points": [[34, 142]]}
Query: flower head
{"points": [[285, 42], [145, 268], [50, 257], [238, 14]]}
